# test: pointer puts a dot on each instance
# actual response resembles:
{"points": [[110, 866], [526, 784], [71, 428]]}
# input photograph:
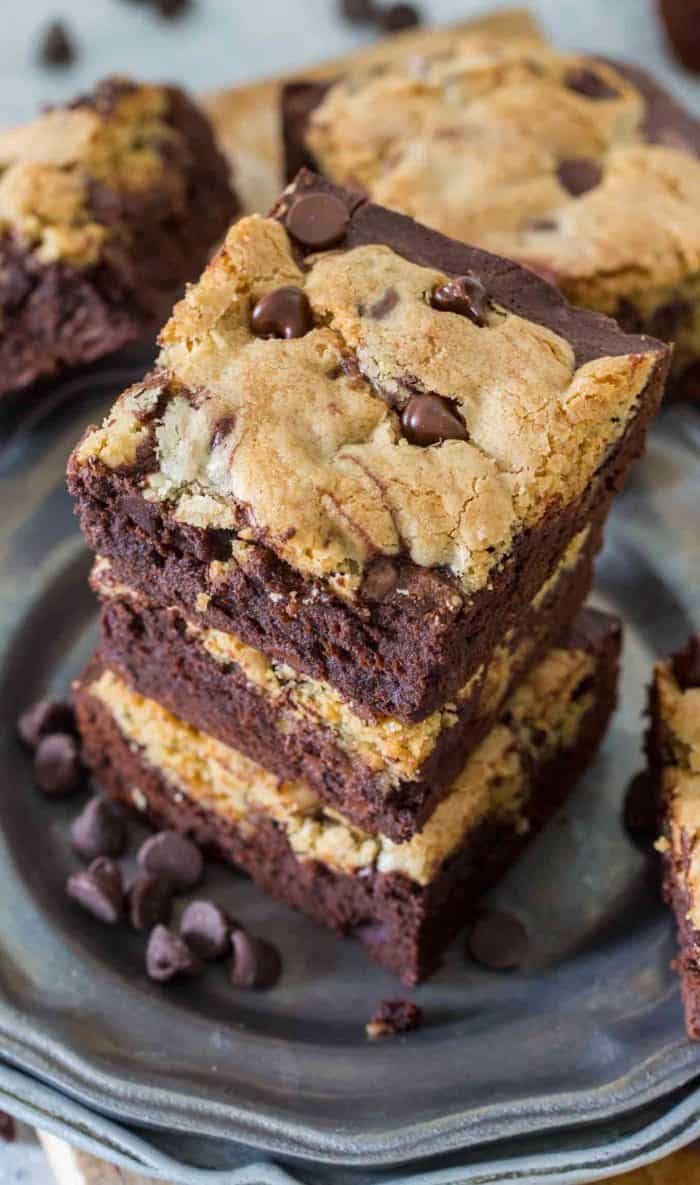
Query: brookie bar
{"points": [[107, 206], [582, 168], [404, 901], [365, 448]]}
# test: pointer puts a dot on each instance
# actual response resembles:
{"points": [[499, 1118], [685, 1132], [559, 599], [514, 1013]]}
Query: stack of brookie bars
{"points": [[344, 531]]}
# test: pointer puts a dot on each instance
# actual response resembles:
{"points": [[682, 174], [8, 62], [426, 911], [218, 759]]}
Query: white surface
{"points": [[225, 41]]}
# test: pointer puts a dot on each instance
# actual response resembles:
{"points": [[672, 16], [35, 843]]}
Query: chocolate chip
{"points": [[382, 307], [255, 963], [317, 220], [589, 83], [43, 717], [206, 928], [173, 856], [99, 830], [357, 11], [57, 766], [465, 295], [150, 901], [429, 419], [8, 1129], [666, 320], [498, 940], [286, 312], [686, 664], [397, 17], [579, 174], [640, 812], [393, 1017], [170, 9], [57, 48], [682, 20], [99, 890], [541, 224], [168, 955], [380, 579]]}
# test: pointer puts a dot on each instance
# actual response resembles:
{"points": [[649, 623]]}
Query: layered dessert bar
{"points": [[382, 774], [582, 168], [404, 901], [107, 206], [673, 744], [365, 448]]}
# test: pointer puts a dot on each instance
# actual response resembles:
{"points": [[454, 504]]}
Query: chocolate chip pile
{"points": [[169, 865], [389, 18]]}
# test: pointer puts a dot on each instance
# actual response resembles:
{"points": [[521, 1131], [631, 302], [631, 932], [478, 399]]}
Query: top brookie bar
{"points": [[673, 746], [107, 207], [584, 169], [365, 447]]}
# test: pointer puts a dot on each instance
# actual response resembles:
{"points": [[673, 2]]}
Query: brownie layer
{"points": [[404, 924], [106, 266], [382, 775]]}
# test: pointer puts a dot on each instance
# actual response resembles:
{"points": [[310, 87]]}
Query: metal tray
{"points": [[586, 1040]]}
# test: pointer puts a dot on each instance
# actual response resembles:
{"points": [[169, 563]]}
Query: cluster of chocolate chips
{"points": [[390, 18], [169, 864]]}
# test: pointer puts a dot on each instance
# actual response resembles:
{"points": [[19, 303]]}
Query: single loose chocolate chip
{"points": [[393, 1017], [382, 307], [317, 220], [170, 9], [397, 17], [579, 174], [255, 963], [285, 312], [57, 766], [357, 11], [380, 579], [99, 890], [686, 664], [8, 1129], [465, 295], [429, 419], [206, 928], [99, 830], [57, 48], [168, 955], [498, 940], [640, 812], [150, 901], [173, 856], [43, 717], [589, 83]]}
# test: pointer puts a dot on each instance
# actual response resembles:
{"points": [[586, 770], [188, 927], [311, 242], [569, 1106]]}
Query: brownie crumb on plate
{"points": [[392, 1018]]}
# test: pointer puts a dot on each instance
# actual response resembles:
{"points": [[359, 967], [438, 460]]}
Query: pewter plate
{"points": [[588, 1035]]}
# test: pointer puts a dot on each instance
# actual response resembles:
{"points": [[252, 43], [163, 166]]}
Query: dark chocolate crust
{"points": [[404, 926], [149, 647], [54, 315]]}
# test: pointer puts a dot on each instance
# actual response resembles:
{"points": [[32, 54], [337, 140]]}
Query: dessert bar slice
{"points": [[404, 901], [382, 774], [584, 169], [673, 744], [107, 206], [365, 448]]}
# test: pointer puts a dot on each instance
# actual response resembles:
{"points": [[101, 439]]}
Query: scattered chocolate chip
{"points": [[43, 717], [172, 856], [397, 17], [317, 220], [286, 312], [57, 47], [206, 928], [498, 940], [589, 83], [382, 307], [168, 955], [579, 174], [686, 664], [666, 320], [150, 900], [8, 1129], [465, 295], [640, 813], [682, 21], [99, 890], [393, 1017], [255, 963], [99, 830], [57, 766], [357, 11], [380, 579], [629, 317], [429, 419], [170, 9]]}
